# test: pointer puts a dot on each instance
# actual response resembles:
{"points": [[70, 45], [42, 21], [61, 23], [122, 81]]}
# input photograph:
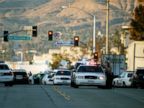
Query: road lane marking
{"points": [[63, 94], [49, 96]]}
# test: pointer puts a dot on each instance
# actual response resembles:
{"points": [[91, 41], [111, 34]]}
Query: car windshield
{"points": [[95, 69], [3, 67], [63, 73]]}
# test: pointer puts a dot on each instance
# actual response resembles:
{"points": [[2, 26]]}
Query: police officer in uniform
{"points": [[109, 75]]}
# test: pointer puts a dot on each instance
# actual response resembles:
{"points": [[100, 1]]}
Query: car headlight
{"points": [[101, 77]]}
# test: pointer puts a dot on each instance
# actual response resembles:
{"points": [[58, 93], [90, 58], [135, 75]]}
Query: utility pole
{"points": [[107, 28], [94, 34]]}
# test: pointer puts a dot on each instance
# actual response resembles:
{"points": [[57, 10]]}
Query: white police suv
{"points": [[6, 75]]}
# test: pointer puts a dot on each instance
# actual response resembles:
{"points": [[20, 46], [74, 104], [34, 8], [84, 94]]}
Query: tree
{"points": [[137, 24], [116, 39], [56, 60]]}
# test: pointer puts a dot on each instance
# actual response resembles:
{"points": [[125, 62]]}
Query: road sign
{"points": [[64, 43], [19, 38]]}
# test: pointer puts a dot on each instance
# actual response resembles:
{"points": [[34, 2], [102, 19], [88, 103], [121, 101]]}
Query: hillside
{"points": [[49, 15], [44, 9], [50, 11]]}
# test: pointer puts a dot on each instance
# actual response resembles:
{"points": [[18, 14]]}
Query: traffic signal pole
{"points": [[6, 33]]}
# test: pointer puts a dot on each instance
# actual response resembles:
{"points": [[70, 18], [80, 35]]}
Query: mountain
{"points": [[76, 15], [70, 17], [50, 11]]}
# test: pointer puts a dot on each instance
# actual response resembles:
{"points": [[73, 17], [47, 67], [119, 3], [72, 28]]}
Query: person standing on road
{"points": [[30, 74], [109, 75]]}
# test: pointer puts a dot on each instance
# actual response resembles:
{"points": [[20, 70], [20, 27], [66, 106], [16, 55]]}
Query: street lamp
{"points": [[94, 26]]}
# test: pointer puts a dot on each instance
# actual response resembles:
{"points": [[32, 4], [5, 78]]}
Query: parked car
{"points": [[123, 80], [20, 76], [62, 76], [47, 79], [138, 78], [88, 75], [6, 75]]}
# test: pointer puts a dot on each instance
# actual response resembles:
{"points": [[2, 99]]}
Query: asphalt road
{"points": [[49, 96]]}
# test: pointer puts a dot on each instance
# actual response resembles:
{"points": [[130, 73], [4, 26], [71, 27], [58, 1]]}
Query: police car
{"points": [[62, 76], [6, 75], [88, 75]]}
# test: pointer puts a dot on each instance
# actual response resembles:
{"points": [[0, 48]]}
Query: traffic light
{"points": [[96, 56], [50, 35], [76, 41], [34, 31], [5, 38]]}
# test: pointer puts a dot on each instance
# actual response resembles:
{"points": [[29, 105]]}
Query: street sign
{"points": [[64, 43], [19, 38]]}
